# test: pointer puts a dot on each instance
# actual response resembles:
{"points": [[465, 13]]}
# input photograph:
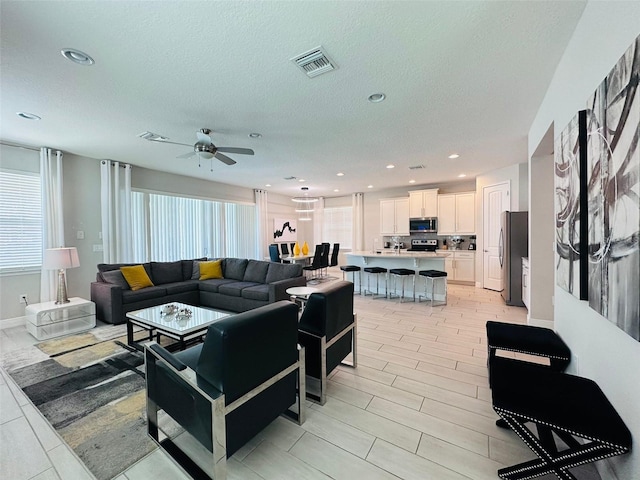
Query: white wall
{"points": [[600, 350]]}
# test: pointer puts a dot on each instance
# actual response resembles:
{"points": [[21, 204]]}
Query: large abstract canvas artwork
{"points": [[570, 206], [284, 230], [613, 156]]}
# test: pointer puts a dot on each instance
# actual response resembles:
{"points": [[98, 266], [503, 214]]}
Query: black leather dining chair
{"points": [[334, 255], [316, 264], [284, 248], [325, 257]]}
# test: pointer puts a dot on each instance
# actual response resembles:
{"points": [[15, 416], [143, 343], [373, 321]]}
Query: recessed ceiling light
{"points": [[268, 185], [28, 116], [377, 97], [369, 186], [255, 135], [454, 155], [391, 165], [412, 181], [336, 190], [77, 56], [340, 174], [462, 175], [301, 180]]}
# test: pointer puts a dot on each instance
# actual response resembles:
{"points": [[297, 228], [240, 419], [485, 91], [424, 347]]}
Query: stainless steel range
{"points": [[423, 245]]}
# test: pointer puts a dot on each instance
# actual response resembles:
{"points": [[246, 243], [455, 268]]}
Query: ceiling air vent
{"points": [[314, 62], [416, 167], [290, 178]]}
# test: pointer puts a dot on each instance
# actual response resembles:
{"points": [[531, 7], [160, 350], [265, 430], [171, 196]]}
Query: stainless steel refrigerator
{"points": [[512, 246]]}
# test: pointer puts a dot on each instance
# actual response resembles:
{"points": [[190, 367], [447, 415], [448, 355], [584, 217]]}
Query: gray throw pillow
{"points": [[116, 277]]}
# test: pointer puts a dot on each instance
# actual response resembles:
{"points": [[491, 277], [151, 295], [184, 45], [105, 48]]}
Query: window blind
{"points": [[337, 226], [20, 222]]}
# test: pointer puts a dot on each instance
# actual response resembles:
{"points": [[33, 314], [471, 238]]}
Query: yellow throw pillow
{"points": [[136, 277], [211, 270]]}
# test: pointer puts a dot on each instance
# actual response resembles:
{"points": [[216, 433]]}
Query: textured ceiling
{"points": [[463, 77]]}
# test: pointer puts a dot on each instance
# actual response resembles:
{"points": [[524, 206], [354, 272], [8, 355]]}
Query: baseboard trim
{"points": [[12, 322], [478, 284], [538, 322]]}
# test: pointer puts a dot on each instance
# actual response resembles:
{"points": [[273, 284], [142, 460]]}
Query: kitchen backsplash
{"points": [[406, 240]]}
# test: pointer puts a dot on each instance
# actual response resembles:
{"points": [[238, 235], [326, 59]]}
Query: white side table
{"points": [[47, 320]]}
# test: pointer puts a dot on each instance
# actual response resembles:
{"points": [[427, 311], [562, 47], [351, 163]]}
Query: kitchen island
{"points": [[403, 259]]}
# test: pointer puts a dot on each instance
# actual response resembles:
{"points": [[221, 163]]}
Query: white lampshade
{"points": [[61, 258]]}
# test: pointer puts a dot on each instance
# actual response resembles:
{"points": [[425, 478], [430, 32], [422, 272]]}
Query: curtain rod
{"points": [[17, 145]]}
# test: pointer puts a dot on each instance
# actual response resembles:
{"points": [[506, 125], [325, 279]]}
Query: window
{"points": [[20, 222], [337, 226], [168, 228]]}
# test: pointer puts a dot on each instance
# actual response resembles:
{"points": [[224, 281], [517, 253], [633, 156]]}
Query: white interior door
{"points": [[495, 200]]}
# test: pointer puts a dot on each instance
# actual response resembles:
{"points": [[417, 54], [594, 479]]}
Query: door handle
{"points": [[486, 251]]}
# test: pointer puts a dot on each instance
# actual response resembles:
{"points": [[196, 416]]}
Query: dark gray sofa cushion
{"points": [[256, 271], [235, 289], [115, 277], [131, 296], [212, 284], [282, 271], [180, 287], [234, 268], [166, 272], [259, 292]]}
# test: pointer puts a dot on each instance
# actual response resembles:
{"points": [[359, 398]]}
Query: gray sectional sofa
{"points": [[247, 284]]}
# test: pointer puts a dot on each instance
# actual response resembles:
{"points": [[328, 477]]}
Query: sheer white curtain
{"points": [[357, 242], [117, 239], [318, 222], [52, 216], [263, 232]]}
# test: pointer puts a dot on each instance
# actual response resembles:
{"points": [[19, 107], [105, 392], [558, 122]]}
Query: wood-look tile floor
{"points": [[416, 407]]}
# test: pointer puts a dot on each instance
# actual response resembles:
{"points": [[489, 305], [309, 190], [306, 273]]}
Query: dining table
{"points": [[296, 259]]}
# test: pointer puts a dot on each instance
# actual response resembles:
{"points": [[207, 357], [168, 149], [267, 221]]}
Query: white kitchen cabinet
{"points": [[423, 203], [460, 265], [464, 266], [394, 216], [525, 282], [457, 214]]}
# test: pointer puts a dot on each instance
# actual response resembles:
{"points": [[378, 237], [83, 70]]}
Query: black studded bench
{"points": [[568, 406], [542, 342]]}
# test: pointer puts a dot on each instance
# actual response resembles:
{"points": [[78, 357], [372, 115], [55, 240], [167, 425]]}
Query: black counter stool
{"points": [[402, 273], [376, 271], [430, 278], [353, 269], [559, 405]]}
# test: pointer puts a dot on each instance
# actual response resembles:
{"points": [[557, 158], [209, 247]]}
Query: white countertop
{"points": [[401, 254]]}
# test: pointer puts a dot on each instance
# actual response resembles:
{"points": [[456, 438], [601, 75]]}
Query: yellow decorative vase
{"points": [[296, 250], [305, 249]]}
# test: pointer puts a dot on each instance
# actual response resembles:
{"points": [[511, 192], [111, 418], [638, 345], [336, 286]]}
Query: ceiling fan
{"points": [[205, 148]]}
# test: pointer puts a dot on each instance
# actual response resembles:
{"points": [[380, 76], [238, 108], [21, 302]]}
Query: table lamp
{"points": [[61, 259]]}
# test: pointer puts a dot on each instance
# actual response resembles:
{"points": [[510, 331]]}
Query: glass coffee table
{"points": [[181, 328]]}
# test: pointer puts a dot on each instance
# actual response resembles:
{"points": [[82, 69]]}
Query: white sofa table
{"points": [[47, 320]]}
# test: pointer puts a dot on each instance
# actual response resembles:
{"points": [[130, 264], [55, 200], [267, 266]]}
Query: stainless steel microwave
{"points": [[423, 225]]}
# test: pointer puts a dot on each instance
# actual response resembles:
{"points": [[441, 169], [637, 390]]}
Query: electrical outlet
{"points": [[24, 299], [98, 248], [80, 234]]}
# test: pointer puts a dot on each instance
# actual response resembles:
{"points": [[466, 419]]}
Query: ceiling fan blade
{"points": [[225, 159], [241, 151], [187, 155], [203, 138], [172, 143]]}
